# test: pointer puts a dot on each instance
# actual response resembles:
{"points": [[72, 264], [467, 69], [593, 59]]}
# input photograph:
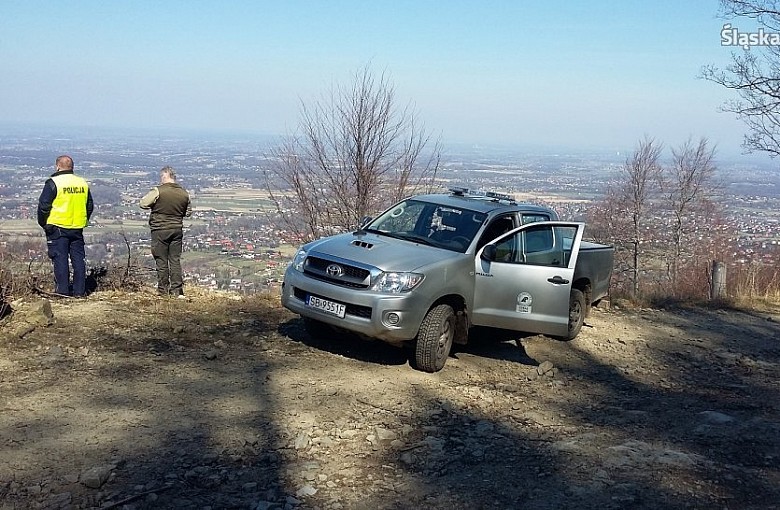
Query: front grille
{"points": [[340, 283], [350, 276], [355, 310]]}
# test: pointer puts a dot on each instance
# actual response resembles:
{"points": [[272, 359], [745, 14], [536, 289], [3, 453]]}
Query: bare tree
{"points": [[623, 213], [356, 151], [641, 175], [755, 75], [606, 220], [688, 184]]}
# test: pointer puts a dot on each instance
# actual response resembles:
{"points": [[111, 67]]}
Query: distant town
{"points": [[232, 242]]}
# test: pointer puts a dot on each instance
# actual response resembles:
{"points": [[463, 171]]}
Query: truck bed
{"points": [[595, 263]]}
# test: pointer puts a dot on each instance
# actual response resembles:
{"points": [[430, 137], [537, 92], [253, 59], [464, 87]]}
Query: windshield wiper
{"points": [[375, 231], [404, 236], [415, 238]]}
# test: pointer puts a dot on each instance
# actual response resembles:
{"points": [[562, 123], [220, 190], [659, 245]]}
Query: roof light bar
{"points": [[459, 191], [500, 196]]}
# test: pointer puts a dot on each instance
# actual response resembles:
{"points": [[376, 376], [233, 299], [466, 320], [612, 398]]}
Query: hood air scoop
{"points": [[362, 244]]}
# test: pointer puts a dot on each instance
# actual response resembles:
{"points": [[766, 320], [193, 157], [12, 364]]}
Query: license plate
{"points": [[326, 306]]}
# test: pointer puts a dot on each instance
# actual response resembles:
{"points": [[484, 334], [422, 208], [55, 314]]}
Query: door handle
{"points": [[557, 280]]}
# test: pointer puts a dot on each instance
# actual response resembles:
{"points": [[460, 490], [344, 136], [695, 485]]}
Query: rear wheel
{"points": [[577, 311], [434, 340]]}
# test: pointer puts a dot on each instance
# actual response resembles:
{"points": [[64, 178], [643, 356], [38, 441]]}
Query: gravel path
{"points": [[135, 402]]}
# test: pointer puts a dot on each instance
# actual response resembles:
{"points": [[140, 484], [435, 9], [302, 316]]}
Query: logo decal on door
{"points": [[524, 301]]}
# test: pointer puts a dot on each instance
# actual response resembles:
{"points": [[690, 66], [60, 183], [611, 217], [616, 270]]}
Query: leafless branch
{"points": [[688, 185], [754, 75], [355, 152]]}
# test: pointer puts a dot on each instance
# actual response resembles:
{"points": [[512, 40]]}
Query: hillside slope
{"points": [[133, 401]]}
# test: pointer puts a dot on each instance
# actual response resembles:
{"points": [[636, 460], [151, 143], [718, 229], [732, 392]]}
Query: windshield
{"points": [[436, 225]]}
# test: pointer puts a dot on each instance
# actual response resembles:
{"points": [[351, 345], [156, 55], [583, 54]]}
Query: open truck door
{"points": [[523, 278]]}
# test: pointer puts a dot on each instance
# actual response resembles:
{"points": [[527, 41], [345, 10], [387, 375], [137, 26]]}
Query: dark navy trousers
{"points": [[65, 247]]}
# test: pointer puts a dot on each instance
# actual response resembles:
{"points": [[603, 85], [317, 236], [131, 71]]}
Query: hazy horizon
{"points": [[596, 74], [262, 142]]}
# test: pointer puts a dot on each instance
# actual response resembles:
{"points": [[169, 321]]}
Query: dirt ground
{"points": [[138, 402]]}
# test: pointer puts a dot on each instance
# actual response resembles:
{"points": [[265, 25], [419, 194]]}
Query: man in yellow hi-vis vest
{"points": [[64, 209]]}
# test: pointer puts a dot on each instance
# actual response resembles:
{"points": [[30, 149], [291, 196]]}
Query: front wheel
{"points": [[577, 311], [434, 340]]}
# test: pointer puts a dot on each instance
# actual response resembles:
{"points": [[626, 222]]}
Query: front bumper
{"points": [[393, 318]]}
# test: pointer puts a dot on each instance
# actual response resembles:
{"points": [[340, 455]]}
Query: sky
{"points": [[600, 74]]}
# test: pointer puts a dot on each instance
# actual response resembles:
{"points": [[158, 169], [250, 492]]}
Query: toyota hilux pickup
{"points": [[432, 266]]}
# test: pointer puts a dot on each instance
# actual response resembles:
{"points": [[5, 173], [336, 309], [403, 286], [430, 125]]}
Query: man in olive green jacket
{"points": [[169, 204]]}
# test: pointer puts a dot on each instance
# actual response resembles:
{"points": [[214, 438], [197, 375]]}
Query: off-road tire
{"points": [[434, 339], [577, 312]]}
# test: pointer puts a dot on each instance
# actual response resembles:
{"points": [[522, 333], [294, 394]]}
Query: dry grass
{"points": [[748, 287], [210, 308]]}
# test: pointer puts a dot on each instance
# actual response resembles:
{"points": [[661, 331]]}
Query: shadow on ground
{"points": [[182, 425], [344, 343], [483, 342]]}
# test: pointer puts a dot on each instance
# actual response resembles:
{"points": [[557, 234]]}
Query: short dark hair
{"points": [[64, 162]]}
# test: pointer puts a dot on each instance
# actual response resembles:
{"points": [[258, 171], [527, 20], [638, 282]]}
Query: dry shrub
{"points": [[16, 277], [754, 285], [20, 270], [694, 282], [116, 277], [24, 273], [693, 285], [6, 291]]}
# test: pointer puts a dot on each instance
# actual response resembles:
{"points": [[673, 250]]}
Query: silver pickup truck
{"points": [[432, 266]]}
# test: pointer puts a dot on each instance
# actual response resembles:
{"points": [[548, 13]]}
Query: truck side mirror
{"points": [[489, 252]]}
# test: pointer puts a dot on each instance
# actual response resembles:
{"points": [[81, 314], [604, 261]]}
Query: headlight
{"points": [[397, 282], [297, 262]]}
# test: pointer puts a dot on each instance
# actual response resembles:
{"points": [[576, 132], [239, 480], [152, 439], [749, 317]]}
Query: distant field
{"points": [[100, 226], [109, 173], [286, 250], [120, 226], [247, 269], [19, 226], [218, 260], [765, 212], [552, 199], [231, 200], [31, 226]]}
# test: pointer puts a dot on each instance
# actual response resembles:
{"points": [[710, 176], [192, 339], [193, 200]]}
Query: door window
{"points": [[532, 218], [497, 227], [542, 245]]}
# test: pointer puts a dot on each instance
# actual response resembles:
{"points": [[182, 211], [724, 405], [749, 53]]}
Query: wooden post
{"points": [[718, 289]]}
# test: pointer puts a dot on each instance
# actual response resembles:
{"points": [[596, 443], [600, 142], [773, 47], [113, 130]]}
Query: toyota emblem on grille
{"points": [[335, 270]]}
